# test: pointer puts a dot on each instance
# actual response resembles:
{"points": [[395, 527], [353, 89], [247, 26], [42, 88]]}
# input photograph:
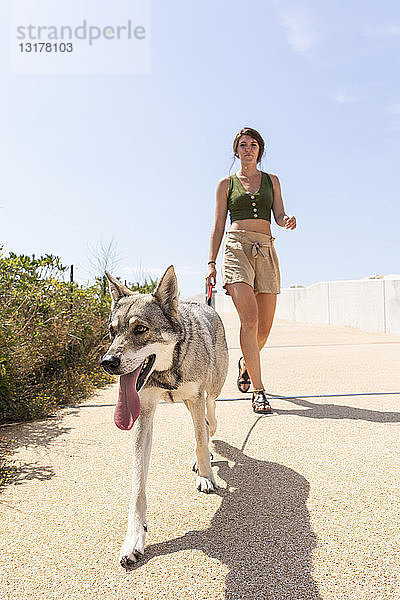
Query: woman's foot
{"points": [[243, 381], [260, 403]]}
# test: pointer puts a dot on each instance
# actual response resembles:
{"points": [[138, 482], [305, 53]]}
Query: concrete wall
{"points": [[392, 306], [368, 304]]}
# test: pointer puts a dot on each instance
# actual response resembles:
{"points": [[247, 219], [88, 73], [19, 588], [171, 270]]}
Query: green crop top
{"points": [[244, 205]]}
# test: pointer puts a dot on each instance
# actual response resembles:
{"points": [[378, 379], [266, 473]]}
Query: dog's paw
{"points": [[203, 484], [129, 562], [133, 548], [195, 467]]}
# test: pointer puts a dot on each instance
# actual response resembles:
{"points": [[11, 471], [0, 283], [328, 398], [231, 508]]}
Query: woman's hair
{"points": [[255, 135]]}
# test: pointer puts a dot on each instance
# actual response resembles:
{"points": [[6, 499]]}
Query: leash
{"points": [[209, 293]]}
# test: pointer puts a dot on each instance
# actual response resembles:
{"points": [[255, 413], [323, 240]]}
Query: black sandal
{"points": [[243, 381], [260, 403]]}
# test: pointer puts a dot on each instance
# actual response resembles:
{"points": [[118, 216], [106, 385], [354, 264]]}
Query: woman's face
{"points": [[248, 149]]}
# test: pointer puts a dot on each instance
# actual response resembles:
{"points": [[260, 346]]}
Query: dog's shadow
{"points": [[261, 530]]}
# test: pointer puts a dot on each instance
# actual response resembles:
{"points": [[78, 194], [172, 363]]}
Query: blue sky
{"points": [[136, 158]]}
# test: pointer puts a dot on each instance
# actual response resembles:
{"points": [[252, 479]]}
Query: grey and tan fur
{"points": [[191, 362]]}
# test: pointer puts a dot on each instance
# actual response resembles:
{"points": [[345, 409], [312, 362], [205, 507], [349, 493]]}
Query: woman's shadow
{"points": [[261, 530]]}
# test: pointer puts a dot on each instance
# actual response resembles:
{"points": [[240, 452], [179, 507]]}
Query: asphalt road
{"points": [[308, 497]]}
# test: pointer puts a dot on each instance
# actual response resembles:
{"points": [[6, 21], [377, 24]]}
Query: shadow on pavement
{"points": [[314, 410], [36, 434], [261, 530], [330, 411]]}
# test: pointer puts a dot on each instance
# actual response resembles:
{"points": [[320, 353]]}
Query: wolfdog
{"points": [[166, 351]]}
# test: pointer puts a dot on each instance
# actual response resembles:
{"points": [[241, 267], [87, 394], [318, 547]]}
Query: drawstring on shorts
{"points": [[258, 248]]}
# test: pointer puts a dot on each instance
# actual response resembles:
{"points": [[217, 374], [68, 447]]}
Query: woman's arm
{"points": [[281, 218], [217, 233], [221, 210]]}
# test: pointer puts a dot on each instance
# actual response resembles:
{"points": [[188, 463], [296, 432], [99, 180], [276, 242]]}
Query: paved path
{"points": [[307, 506]]}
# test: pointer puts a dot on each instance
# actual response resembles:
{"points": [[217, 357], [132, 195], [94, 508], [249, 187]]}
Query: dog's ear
{"points": [[166, 291], [117, 289]]}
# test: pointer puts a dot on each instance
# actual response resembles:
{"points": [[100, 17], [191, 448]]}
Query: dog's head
{"points": [[144, 328]]}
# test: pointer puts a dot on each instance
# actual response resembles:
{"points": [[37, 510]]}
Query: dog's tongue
{"points": [[127, 408]]}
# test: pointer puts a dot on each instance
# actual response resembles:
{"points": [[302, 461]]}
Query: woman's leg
{"points": [[245, 302], [266, 310]]}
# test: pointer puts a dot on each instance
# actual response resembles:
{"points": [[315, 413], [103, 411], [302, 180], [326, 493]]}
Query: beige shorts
{"points": [[251, 257]]}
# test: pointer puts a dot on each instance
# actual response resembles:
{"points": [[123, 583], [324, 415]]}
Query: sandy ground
{"points": [[308, 499]]}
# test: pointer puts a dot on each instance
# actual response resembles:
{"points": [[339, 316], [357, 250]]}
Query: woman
{"points": [[250, 267]]}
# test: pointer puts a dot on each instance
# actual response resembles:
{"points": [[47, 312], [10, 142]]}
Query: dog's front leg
{"points": [[133, 547], [205, 478]]}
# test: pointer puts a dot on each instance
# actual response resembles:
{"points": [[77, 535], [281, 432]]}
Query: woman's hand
{"points": [[289, 222], [211, 277]]}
